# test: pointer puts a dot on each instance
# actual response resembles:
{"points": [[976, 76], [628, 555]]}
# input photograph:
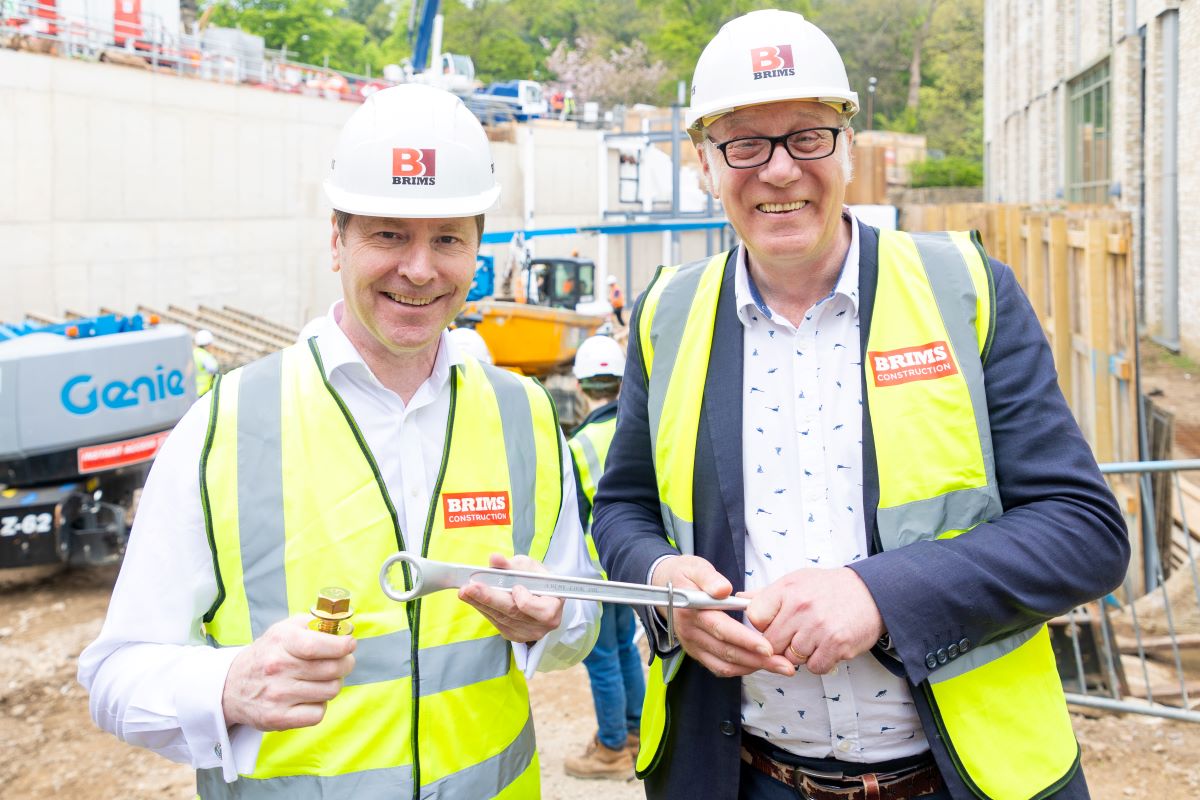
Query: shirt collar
{"points": [[749, 299], [338, 354]]}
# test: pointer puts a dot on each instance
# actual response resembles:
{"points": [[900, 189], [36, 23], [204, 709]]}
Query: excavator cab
{"points": [[562, 282]]}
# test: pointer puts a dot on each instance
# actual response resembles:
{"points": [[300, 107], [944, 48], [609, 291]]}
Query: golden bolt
{"points": [[333, 606]]}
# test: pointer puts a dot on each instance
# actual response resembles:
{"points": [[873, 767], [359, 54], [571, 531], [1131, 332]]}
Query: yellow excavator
{"points": [[531, 323], [530, 320]]}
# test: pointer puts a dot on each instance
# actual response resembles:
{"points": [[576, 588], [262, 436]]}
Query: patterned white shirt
{"points": [[802, 473]]}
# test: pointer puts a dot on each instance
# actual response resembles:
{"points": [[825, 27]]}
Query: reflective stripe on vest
{"points": [[284, 460], [1001, 704], [589, 450], [204, 378]]}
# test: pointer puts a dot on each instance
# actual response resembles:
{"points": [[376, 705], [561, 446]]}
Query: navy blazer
{"points": [[1060, 542]]}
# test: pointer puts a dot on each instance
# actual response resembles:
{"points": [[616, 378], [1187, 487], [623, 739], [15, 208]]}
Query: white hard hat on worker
{"points": [[772, 85], [411, 176], [412, 151], [468, 342], [764, 57], [599, 356]]}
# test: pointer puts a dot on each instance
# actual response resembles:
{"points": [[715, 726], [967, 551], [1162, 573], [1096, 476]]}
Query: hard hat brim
{"points": [[401, 208], [848, 101]]}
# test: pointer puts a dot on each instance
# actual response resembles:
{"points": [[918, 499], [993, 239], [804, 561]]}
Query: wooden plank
{"points": [[1016, 251], [283, 330], [1035, 267], [1060, 303], [274, 337], [1154, 644], [1098, 312]]}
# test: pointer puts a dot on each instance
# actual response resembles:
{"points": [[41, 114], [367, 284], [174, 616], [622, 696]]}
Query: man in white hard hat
{"points": [[863, 431], [315, 465], [468, 342], [206, 365], [614, 666]]}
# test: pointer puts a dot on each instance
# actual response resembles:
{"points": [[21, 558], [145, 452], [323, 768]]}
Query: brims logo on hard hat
{"points": [[412, 166], [772, 61]]}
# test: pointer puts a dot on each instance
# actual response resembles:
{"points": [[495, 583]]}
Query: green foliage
{"points": [[310, 29], [948, 171], [515, 38]]}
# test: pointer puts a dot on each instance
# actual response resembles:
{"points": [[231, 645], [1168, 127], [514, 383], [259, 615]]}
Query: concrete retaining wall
{"points": [[121, 186]]}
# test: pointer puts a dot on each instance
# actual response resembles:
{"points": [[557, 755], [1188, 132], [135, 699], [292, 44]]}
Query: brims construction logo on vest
{"points": [[475, 509], [773, 61], [413, 166], [925, 362]]}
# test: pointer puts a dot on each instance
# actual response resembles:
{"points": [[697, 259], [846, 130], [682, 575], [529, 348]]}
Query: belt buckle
{"points": [[824, 781]]}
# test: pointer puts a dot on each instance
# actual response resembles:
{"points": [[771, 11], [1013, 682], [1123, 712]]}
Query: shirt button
{"points": [[931, 660], [942, 655], [844, 746], [728, 728], [964, 645]]}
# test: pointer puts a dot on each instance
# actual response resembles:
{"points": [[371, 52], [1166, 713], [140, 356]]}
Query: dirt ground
{"points": [[52, 749]]}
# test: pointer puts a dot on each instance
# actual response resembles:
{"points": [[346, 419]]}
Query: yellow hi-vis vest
{"points": [[999, 707], [589, 450], [434, 707], [204, 378]]}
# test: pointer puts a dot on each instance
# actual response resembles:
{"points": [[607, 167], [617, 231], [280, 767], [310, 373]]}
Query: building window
{"points": [[1089, 174]]}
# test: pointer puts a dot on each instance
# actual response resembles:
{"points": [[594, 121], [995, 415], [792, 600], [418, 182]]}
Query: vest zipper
{"points": [[205, 504], [414, 608]]}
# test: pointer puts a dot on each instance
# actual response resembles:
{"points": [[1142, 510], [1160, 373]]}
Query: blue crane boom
{"points": [[428, 11]]}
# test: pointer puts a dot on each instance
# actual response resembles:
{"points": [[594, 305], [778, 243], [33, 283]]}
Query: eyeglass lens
{"points": [[753, 151]]}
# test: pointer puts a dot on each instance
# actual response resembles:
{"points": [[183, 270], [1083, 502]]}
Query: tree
{"points": [[310, 29], [620, 75]]}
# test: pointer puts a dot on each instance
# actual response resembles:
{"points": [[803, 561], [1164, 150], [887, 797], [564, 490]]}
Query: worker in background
{"points": [[614, 666], [468, 342], [616, 299], [207, 367], [568, 107], [862, 430], [319, 462]]}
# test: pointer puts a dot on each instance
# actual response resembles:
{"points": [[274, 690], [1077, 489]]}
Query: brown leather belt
{"points": [[812, 785]]}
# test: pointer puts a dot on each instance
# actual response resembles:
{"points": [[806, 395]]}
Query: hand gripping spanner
{"points": [[433, 576]]}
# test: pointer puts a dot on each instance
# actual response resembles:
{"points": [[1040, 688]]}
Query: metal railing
{"points": [[164, 48], [1128, 653]]}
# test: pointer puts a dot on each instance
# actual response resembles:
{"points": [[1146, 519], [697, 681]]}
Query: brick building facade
{"points": [[1078, 96]]}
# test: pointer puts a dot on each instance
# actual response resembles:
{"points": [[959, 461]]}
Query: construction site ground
{"points": [[52, 749]]}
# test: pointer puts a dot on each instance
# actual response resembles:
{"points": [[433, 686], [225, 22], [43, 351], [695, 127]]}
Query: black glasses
{"points": [[808, 144]]}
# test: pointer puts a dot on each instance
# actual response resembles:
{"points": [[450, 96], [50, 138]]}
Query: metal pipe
{"points": [[676, 256], [1169, 336], [1147, 708], [1123, 467]]}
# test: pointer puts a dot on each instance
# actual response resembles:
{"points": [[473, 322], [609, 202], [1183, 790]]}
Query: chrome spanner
{"points": [[432, 576]]}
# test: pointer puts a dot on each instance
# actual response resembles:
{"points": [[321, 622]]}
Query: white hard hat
{"points": [[612, 278], [599, 355], [203, 338], [767, 56], [412, 151], [468, 342]]}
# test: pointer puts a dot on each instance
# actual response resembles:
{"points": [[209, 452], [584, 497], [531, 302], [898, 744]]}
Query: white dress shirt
{"points": [[152, 679], [802, 474]]}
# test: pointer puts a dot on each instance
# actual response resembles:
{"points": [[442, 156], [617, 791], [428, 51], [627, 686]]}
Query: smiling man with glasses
{"points": [[863, 430]]}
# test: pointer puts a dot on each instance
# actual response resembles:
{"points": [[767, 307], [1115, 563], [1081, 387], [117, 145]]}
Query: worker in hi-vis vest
{"points": [[614, 666], [287, 487], [862, 429], [206, 365]]}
